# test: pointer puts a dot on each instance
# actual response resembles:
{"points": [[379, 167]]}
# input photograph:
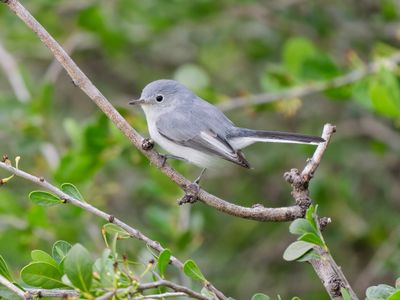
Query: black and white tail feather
{"points": [[240, 138]]}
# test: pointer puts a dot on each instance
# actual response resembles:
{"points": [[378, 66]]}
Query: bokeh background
{"points": [[220, 49]]}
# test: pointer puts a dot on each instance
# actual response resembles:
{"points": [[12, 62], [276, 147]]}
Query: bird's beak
{"points": [[138, 101]]}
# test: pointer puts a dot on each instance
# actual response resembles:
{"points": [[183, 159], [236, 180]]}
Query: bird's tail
{"points": [[240, 138]]}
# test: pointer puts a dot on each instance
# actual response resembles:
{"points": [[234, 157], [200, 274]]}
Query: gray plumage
{"points": [[189, 127]]}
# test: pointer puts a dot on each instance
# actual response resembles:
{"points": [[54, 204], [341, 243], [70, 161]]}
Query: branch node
{"points": [[5, 156], [111, 219], [323, 222], [147, 144], [291, 175], [64, 200], [304, 203], [41, 179], [191, 194]]}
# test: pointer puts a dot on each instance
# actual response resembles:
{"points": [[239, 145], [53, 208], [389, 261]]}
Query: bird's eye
{"points": [[159, 98]]}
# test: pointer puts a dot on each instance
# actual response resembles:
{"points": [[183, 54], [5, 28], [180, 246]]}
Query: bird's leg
{"points": [[192, 190], [164, 158]]}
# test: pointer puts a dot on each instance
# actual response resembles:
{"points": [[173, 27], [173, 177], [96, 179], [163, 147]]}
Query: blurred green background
{"points": [[220, 49]]}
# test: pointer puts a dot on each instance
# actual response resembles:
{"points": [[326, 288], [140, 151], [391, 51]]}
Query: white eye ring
{"points": [[159, 98]]}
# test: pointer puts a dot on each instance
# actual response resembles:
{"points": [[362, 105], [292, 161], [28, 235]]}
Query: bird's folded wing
{"points": [[192, 133]]}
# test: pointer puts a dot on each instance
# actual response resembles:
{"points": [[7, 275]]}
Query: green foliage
{"points": [[116, 230], [42, 274], [60, 250], [45, 199], [345, 294], [4, 271], [310, 236], [78, 267], [71, 190], [383, 292], [260, 296], [41, 256], [193, 271], [163, 261], [296, 250]]}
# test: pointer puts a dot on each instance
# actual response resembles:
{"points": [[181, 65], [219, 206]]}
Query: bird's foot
{"points": [[192, 191], [164, 158]]}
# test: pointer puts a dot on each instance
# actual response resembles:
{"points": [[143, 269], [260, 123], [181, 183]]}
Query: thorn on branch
{"points": [[41, 179], [4, 158], [147, 144], [111, 219]]}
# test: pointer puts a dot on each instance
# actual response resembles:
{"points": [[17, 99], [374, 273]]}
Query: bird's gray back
{"points": [[192, 117]]}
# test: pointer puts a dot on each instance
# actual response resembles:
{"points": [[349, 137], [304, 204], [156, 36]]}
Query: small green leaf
{"points": [[60, 250], [191, 269], [78, 267], [115, 229], [260, 296], [301, 226], [44, 198], [41, 256], [310, 216], [163, 261], [296, 250], [345, 294], [71, 190], [42, 274], [312, 238], [4, 269], [296, 298], [394, 296], [312, 254], [379, 292]]}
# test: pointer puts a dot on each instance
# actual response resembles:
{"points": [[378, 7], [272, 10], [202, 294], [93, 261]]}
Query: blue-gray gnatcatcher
{"points": [[194, 130]]}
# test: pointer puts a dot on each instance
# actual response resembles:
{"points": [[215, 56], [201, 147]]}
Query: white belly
{"points": [[192, 155]]}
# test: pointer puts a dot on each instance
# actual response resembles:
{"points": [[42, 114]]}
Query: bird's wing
{"points": [[195, 131]]}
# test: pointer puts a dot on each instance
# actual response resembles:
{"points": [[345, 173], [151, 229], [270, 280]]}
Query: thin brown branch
{"points": [[160, 296], [70, 45], [58, 293], [173, 286], [10, 68], [313, 87], [82, 81]]}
